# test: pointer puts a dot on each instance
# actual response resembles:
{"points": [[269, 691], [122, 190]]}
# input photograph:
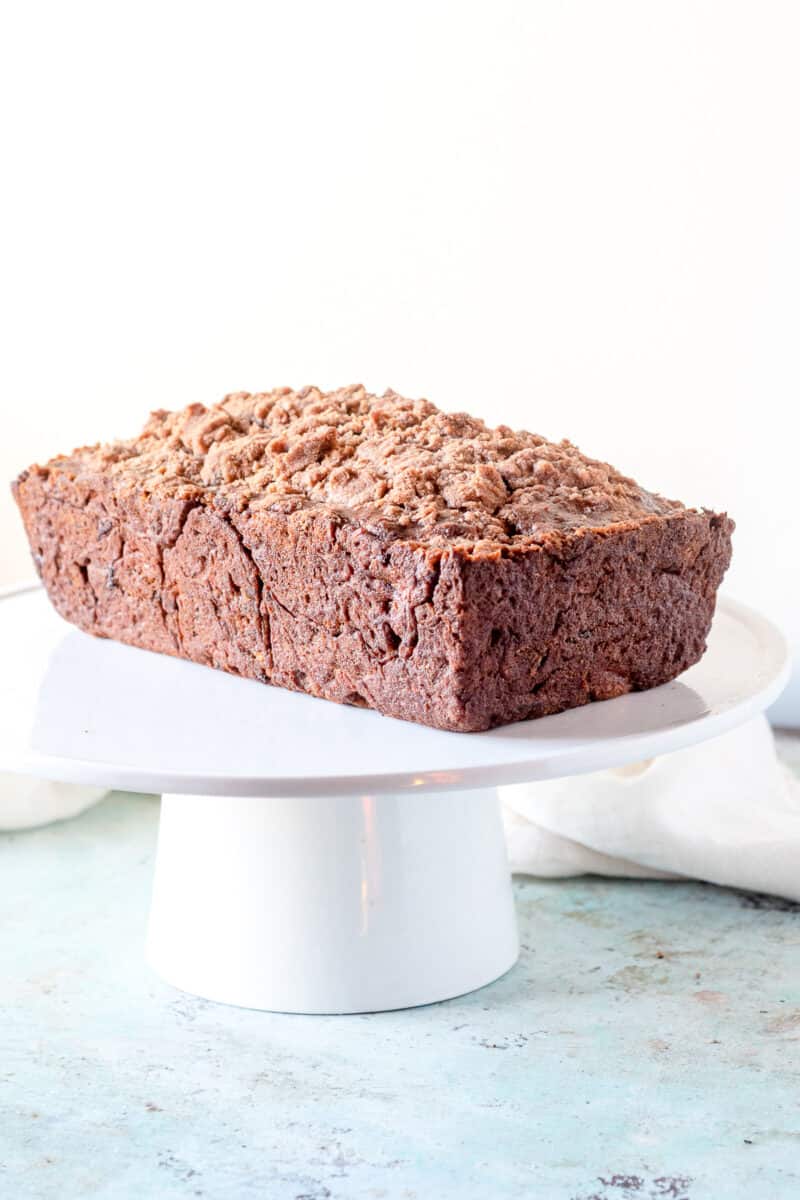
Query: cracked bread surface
{"points": [[376, 551]]}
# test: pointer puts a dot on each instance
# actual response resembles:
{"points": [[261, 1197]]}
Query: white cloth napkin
{"points": [[26, 803], [726, 811]]}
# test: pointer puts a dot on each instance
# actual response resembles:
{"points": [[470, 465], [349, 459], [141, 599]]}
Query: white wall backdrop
{"points": [[576, 217]]}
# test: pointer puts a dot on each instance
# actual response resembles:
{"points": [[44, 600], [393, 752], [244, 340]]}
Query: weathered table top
{"points": [[646, 1045]]}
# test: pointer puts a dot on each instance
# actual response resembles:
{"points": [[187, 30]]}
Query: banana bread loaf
{"points": [[379, 552]]}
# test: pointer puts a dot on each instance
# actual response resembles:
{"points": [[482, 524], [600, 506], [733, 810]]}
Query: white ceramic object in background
{"points": [[299, 864], [785, 712], [26, 803]]}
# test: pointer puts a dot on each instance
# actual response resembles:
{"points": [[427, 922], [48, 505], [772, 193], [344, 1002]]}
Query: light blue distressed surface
{"points": [[647, 1045]]}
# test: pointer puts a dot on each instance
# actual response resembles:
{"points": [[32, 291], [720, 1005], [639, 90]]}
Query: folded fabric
{"points": [[26, 803], [726, 811]]}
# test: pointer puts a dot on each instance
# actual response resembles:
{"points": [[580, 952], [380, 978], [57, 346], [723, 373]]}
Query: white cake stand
{"points": [[315, 858]]}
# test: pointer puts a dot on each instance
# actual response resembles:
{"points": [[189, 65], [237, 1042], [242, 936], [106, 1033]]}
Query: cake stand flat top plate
{"points": [[84, 710]]}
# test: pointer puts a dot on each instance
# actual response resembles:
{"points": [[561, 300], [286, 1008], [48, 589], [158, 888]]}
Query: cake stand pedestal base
{"points": [[336, 904]]}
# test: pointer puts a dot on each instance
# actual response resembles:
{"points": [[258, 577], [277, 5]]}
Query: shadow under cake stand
{"points": [[314, 858]]}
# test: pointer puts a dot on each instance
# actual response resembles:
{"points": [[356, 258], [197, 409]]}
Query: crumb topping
{"points": [[399, 466]]}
